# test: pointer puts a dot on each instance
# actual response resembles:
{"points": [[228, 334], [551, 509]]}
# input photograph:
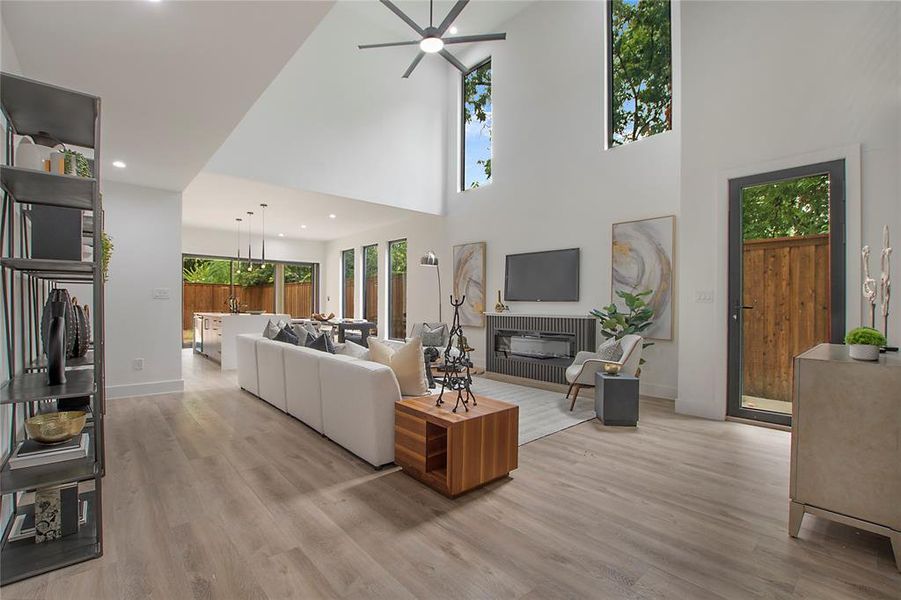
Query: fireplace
{"points": [[536, 347]]}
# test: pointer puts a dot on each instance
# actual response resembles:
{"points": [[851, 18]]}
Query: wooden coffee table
{"points": [[456, 452]]}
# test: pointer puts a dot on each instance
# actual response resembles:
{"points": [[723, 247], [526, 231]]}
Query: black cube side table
{"points": [[616, 399]]}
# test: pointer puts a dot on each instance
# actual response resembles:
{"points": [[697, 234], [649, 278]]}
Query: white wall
{"points": [[341, 121], [554, 183], [145, 225], [768, 85], [423, 233]]}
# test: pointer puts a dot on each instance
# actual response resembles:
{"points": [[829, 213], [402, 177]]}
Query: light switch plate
{"points": [[704, 296], [138, 364], [160, 293]]}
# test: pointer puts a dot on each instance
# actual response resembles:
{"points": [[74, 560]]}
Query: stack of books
{"points": [[31, 453]]}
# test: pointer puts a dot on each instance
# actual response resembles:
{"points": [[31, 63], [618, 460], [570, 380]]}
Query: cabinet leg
{"points": [[896, 548], [795, 516]]}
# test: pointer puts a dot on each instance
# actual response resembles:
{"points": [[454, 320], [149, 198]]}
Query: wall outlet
{"points": [[137, 364], [160, 293], [704, 296]]}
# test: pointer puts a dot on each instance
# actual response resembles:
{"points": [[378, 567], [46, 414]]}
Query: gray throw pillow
{"points": [[349, 348], [301, 332], [323, 343], [433, 335], [610, 350], [286, 334], [271, 330]]}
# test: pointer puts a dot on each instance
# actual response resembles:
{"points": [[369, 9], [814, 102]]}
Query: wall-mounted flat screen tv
{"points": [[551, 276]]}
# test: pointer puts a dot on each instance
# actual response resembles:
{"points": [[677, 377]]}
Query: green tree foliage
{"points": [[348, 257], [477, 103], [247, 274], [399, 257], [298, 273], [202, 270], [371, 261], [786, 208], [642, 69]]}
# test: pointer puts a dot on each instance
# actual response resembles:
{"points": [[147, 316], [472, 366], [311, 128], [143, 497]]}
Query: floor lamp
{"points": [[430, 259]]}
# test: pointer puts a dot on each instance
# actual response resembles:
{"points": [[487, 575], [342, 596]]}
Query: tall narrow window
{"points": [[397, 289], [371, 283], [639, 68], [301, 290], [476, 127], [347, 284]]}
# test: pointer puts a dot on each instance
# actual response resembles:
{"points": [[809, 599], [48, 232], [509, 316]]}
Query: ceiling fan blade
{"points": [[451, 16], [453, 60], [413, 65], [403, 17], [485, 37], [387, 45]]}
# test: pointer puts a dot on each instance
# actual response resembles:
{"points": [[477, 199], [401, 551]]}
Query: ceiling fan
{"points": [[432, 40]]}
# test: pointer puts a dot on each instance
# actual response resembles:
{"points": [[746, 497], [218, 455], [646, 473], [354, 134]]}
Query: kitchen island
{"points": [[215, 333]]}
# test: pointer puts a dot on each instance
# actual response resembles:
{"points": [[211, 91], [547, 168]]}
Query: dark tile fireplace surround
{"points": [[536, 347]]}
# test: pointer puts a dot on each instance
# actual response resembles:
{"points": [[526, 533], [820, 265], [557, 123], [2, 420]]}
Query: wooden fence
{"points": [[398, 303], [213, 297], [786, 280]]}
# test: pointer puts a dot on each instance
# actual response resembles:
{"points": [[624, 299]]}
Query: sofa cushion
{"points": [[611, 350], [246, 348], [271, 330], [303, 397], [433, 334], [271, 369], [407, 363], [353, 349], [287, 335]]}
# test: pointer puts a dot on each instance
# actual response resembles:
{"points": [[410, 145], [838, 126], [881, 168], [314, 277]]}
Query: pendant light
{"points": [[263, 232], [238, 238], [249, 241]]}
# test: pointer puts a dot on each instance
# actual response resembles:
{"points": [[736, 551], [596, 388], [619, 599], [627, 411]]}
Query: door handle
{"points": [[739, 307], [745, 307]]}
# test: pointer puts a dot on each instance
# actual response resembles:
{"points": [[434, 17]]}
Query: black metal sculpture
{"points": [[457, 363]]}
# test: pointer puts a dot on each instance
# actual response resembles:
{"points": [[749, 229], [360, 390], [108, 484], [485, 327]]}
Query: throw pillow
{"points": [[271, 330], [286, 334], [406, 362], [349, 348], [433, 335], [323, 343], [610, 350], [301, 332]]}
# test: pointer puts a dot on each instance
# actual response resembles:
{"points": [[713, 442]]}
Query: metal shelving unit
{"points": [[30, 107]]}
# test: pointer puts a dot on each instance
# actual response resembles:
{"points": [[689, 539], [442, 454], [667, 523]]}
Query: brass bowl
{"points": [[611, 368], [54, 428]]}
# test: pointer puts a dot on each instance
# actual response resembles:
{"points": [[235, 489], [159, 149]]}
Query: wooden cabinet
{"points": [[846, 441], [456, 452]]}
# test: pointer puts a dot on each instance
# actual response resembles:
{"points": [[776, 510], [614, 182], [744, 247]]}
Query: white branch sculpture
{"points": [[885, 280], [869, 284]]}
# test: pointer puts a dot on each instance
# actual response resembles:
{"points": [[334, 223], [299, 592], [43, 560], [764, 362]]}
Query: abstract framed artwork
{"points": [[643, 260], [469, 281]]}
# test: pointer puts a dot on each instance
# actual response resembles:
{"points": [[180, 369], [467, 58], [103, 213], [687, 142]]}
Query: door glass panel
{"points": [[300, 290], [255, 286], [785, 285]]}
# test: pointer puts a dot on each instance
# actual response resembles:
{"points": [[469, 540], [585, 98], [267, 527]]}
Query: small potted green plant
{"points": [[864, 343]]}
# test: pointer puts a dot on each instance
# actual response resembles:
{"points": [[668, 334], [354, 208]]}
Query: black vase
{"points": [[56, 345]]}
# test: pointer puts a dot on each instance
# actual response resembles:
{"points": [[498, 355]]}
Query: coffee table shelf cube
{"points": [[454, 453]]}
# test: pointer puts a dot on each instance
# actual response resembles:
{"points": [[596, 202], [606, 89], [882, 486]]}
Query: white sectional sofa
{"points": [[349, 400]]}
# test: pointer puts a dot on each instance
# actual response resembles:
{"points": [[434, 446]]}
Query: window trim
{"points": [[609, 35], [365, 282], [391, 289], [344, 281], [477, 66]]}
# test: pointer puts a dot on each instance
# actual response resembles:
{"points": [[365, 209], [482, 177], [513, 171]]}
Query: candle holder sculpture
{"points": [[457, 364], [885, 280]]}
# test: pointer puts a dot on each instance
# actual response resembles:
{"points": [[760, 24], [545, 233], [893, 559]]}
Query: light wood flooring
{"points": [[214, 494]]}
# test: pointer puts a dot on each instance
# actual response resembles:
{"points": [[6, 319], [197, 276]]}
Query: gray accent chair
{"points": [[581, 373], [432, 352]]}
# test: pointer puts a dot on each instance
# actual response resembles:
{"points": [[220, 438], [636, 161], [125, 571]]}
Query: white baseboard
{"points": [[151, 388], [657, 391]]}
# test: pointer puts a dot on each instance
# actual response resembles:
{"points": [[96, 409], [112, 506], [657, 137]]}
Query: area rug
{"points": [[541, 412]]}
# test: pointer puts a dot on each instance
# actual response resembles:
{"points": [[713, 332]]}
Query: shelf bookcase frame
{"points": [[30, 107]]}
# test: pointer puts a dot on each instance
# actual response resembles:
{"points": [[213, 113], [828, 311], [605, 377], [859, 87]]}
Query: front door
{"points": [[786, 281]]}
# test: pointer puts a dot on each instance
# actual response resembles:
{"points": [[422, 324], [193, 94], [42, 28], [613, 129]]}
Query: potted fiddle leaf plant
{"points": [[864, 343], [637, 317]]}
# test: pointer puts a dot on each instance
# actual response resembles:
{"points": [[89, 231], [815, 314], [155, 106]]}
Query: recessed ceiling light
{"points": [[118, 164], [333, 216], [303, 226], [453, 30], [281, 235]]}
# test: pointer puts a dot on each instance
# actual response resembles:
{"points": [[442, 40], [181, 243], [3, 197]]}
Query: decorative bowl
{"points": [[54, 428], [612, 368]]}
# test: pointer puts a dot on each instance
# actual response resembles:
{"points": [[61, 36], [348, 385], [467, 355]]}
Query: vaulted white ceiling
{"points": [[342, 121], [174, 77]]}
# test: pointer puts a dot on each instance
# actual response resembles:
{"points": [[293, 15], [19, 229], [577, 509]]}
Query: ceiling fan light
{"points": [[431, 45]]}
